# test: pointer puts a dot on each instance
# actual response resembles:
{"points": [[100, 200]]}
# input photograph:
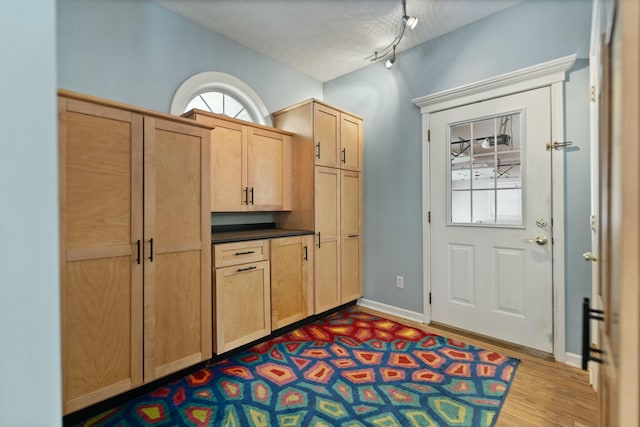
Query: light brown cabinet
{"points": [[337, 137], [135, 253], [250, 165], [242, 293], [350, 235], [291, 280], [327, 196]]}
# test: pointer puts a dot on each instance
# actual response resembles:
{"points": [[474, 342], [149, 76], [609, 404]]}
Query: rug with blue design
{"points": [[348, 369]]}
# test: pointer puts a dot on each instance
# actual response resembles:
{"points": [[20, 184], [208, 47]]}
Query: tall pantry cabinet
{"points": [[135, 247], [327, 195]]}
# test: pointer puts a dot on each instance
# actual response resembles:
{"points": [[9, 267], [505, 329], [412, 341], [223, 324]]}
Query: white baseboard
{"points": [[573, 359], [389, 309]]}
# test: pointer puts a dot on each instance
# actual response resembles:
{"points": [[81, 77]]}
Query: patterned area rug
{"points": [[348, 369]]}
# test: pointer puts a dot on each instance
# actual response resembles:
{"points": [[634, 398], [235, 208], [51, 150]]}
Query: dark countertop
{"points": [[247, 235]]}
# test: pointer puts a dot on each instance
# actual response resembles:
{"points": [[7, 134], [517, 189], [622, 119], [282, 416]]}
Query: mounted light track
{"points": [[389, 51]]}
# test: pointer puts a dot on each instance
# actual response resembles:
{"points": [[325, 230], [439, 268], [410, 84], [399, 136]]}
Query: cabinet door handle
{"points": [[151, 249], [306, 255], [245, 253], [246, 195], [353, 235], [344, 155], [138, 257], [252, 195], [318, 149], [318, 240], [246, 269]]}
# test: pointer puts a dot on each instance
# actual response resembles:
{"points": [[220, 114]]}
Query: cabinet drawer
{"points": [[227, 254]]}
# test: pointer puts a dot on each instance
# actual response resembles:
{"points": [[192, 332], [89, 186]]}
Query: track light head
{"points": [[410, 21], [391, 60]]}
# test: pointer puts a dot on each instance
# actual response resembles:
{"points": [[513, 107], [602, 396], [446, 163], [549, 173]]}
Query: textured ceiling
{"points": [[328, 38]]}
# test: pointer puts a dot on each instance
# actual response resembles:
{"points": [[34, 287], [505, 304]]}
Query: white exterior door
{"points": [[491, 235]]}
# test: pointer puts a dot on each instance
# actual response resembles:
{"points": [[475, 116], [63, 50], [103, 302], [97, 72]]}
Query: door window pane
{"points": [[486, 159]]}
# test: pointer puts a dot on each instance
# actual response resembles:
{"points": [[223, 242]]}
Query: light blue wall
{"points": [[30, 389], [529, 33], [137, 52]]}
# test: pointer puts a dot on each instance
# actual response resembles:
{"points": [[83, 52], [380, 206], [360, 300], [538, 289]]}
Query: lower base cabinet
{"points": [[291, 280], [242, 298]]}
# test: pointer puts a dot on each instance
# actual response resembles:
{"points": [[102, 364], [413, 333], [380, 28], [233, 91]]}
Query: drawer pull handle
{"points": [[245, 253], [318, 150], [246, 269], [246, 195], [344, 155], [353, 235], [306, 254], [252, 195], [138, 257], [151, 249], [318, 240]]}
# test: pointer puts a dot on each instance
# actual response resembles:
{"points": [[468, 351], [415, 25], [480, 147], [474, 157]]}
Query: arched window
{"points": [[222, 94]]}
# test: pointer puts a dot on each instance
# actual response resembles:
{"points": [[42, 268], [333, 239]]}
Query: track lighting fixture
{"points": [[389, 51]]}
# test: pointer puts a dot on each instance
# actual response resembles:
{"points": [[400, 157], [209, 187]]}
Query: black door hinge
{"points": [[428, 135], [429, 217], [429, 298]]}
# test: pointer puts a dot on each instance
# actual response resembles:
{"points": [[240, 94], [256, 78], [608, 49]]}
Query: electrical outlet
{"points": [[399, 282]]}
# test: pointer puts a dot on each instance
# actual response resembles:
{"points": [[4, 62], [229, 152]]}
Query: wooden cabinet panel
{"points": [[228, 168], [327, 275], [327, 250], [268, 157], [327, 193], [242, 301], [98, 359], [326, 131], [227, 254], [291, 279], [100, 166], [135, 251], [351, 235], [177, 328], [350, 142]]}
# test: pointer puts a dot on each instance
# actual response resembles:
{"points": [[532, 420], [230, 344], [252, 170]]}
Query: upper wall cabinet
{"points": [[337, 137], [250, 165]]}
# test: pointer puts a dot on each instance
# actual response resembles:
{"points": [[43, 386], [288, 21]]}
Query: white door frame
{"points": [[552, 74]]}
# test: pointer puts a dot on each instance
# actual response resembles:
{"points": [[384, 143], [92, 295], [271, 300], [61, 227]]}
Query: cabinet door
{"points": [[326, 133], [242, 305], [327, 250], [350, 142], [229, 192], [100, 155], [351, 231], [291, 278], [177, 295], [268, 170]]}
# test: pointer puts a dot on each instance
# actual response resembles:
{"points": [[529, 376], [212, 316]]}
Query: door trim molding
{"points": [[552, 74]]}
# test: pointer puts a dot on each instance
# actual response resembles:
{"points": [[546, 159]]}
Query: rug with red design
{"points": [[348, 369]]}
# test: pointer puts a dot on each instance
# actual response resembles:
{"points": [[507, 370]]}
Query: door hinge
{"points": [[429, 298], [428, 135], [593, 94], [429, 217]]}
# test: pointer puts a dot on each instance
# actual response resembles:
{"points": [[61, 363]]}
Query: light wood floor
{"points": [[543, 393]]}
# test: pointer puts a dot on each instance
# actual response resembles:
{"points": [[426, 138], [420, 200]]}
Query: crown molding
{"points": [[528, 78]]}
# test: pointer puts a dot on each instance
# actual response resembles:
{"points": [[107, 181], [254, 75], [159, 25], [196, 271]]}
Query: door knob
{"points": [[541, 240], [589, 256]]}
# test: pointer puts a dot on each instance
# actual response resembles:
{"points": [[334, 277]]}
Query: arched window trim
{"points": [[217, 81]]}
